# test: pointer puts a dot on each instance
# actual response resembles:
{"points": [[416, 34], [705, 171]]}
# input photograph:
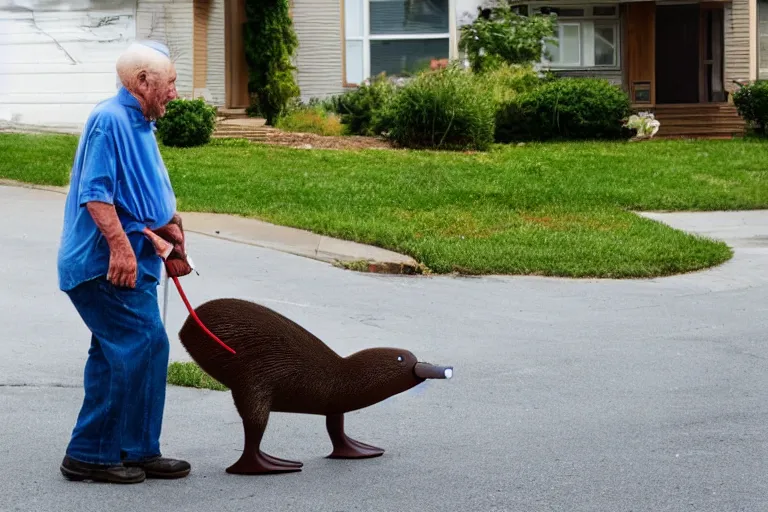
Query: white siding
{"points": [[170, 21], [738, 50], [215, 82], [319, 57], [56, 64], [466, 11]]}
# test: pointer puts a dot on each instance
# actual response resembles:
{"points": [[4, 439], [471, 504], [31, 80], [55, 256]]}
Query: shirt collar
{"points": [[128, 99]]}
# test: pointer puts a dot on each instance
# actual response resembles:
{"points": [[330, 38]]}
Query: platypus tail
{"points": [[209, 355]]}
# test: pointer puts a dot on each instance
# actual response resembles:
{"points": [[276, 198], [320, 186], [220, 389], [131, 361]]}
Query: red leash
{"points": [[197, 319], [157, 240]]}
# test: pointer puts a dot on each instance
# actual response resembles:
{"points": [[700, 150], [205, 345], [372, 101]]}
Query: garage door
{"points": [[56, 64]]}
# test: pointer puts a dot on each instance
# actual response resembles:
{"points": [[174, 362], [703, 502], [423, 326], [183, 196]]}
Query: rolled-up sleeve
{"points": [[99, 171]]}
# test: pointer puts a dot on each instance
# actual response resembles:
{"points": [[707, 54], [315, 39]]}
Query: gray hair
{"points": [[150, 56]]}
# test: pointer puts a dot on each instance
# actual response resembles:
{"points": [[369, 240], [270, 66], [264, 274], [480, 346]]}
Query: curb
{"points": [[339, 253]]}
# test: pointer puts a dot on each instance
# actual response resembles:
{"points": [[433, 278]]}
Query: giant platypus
{"points": [[280, 366]]}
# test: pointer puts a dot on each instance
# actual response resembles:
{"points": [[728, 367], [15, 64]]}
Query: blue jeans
{"points": [[125, 375]]}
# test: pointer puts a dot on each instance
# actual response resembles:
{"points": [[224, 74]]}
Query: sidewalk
{"points": [[243, 230]]}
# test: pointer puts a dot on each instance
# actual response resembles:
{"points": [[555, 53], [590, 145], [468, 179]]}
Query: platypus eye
{"points": [[400, 358]]}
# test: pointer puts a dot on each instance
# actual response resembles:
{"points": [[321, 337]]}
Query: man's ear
{"points": [[142, 79]]}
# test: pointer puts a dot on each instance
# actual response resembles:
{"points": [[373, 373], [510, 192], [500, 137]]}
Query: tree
{"points": [[270, 44], [499, 35]]}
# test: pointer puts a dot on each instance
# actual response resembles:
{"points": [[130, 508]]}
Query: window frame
{"points": [[366, 37], [587, 24], [761, 73], [560, 28]]}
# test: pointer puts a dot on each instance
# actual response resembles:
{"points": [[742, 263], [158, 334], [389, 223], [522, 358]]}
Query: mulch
{"points": [[313, 141]]}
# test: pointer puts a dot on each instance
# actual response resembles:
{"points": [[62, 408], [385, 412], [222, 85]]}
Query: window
{"points": [[762, 39], [587, 37], [393, 36]]}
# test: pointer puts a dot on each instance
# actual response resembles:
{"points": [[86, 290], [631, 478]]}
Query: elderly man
{"points": [[120, 201]]}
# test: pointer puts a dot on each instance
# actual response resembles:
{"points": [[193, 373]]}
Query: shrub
{"points": [[361, 108], [446, 108], [567, 108], [507, 83], [187, 123], [310, 119], [752, 104], [498, 35], [270, 45]]}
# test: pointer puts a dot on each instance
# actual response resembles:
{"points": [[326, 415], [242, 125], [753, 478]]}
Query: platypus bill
{"points": [[280, 366]]}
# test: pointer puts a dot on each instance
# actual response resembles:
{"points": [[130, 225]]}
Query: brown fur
{"points": [[281, 367]]}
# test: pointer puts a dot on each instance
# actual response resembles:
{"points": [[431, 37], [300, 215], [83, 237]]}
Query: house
{"points": [[680, 60], [57, 59]]}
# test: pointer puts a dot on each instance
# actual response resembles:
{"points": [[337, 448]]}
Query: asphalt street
{"points": [[567, 395]]}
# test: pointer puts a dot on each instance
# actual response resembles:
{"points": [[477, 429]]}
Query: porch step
{"points": [[251, 128], [714, 120], [232, 113]]}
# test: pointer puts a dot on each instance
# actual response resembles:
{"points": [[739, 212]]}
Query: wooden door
{"points": [[236, 74], [677, 53], [640, 57]]}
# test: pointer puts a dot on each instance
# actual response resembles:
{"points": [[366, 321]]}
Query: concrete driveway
{"points": [[568, 395]]}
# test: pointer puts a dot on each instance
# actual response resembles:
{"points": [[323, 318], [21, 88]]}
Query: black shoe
{"points": [[161, 467], [117, 474]]}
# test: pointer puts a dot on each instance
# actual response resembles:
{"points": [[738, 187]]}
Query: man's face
{"points": [[157, 89]]}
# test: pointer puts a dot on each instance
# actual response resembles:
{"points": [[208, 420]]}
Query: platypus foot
{"points": [[348, 448], [344, 447], [279, 461], [262, 463]]}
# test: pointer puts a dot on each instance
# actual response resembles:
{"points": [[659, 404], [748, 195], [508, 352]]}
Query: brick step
{"points": [[699, 131], [695, 109], [236, 132], [701, 119], [703, 126], [240, 129], [232, 113], [695, 115], [695, 106], [697, 126], [696, 112]]}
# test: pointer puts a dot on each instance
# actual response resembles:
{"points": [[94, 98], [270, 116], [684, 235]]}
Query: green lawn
{"points": [[188, 374], [554, 209]]}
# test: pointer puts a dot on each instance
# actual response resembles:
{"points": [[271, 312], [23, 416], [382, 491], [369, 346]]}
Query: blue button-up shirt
{"points": [[117, 162]]}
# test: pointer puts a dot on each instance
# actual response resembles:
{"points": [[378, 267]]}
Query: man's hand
{"points": [[122, 267], [176, 263], [122, 261]]}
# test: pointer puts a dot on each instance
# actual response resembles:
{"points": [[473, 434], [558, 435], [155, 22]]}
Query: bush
{"points": [[509, 81], [752, 103], [310, 119], [500, 36], [187, 123], [361, 108], [446, 108], [566, 108]]}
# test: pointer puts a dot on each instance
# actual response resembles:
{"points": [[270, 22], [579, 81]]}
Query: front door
{"points": [[677, 53], [236, 75]]}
